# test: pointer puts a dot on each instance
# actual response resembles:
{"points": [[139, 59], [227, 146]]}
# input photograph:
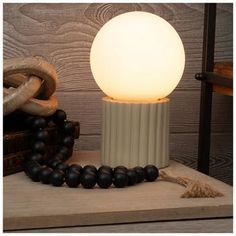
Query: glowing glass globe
{"points": [[137, 56]]}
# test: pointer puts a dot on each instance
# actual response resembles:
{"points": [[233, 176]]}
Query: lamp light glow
{"points": [[137, 56]]}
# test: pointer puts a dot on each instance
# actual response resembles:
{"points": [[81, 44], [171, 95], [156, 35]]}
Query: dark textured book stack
{"points": [[17, 142]]}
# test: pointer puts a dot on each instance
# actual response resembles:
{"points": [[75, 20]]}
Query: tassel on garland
{"points": [[194, 188]]}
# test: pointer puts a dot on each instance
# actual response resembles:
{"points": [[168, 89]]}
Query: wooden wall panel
{"points": [[63, 34]]}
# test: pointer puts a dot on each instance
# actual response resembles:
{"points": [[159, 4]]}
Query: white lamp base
{"points": [[135, 134]]}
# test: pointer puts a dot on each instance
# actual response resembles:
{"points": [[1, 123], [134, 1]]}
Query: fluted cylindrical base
{"points": [[135, 133]]}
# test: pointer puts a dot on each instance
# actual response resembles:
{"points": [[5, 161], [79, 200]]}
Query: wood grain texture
{"points": [[60, 207], [65, 41], [189, 226]]}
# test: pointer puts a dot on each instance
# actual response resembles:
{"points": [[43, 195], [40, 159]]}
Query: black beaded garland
{"points": [[104, 180], [53, 163], [57, 178], [140, 173], [35, 157], [27, 165], [88, 180], [37, 123], [44, 175], [59, 156], [89, 168], [151, 173], [33, 172], [41, 135], [76, 168], [72, 178], [120, 179], [39, 147], [62, 166], [68, 128], [59, 117], [105, 169], [120, 169], [65, 152], [68, 141], [56, 172], [132, 176]]}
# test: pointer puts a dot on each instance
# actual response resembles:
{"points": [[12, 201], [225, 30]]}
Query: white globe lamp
{"points": [[137, 59]]}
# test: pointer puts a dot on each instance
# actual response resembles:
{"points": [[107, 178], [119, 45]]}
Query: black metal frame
{"points": [[208, 78], [206, 88]]}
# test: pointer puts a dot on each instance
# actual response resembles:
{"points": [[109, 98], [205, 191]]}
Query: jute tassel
{"points": [[194, 188]]}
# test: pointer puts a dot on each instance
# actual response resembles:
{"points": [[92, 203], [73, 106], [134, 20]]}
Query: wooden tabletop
{"points": [[29, 205]]}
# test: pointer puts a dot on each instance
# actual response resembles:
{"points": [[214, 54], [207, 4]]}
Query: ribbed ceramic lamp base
{"points": [[135, 133]]}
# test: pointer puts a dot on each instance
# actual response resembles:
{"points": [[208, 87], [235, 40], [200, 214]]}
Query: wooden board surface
{"points": [[185, 226], [33, 205]]}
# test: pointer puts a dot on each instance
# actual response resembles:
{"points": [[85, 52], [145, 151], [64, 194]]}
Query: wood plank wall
{"points": [[63, 33]]}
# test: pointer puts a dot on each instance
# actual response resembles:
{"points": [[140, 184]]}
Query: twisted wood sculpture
{"points": [[29, 84]]}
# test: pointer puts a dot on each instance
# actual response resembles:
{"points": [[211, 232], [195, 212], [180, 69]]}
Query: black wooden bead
{"points": [[62, 166], [38, 123], [35, 157], [59, 156], [140, 173], [72, 178], [68, 141], [88, 180], [53, 163], [39, 147], [26, 164], [34, 172], [41, 135], [120, 179], [44, 175], [65, 152], [76, 168], [89, 168], [120, 168], [105, 169], [132, 177], [57, 178], [68, 128], [59, 117], [104, 180], [151, 173]]}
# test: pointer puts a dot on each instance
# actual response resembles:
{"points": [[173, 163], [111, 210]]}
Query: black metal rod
{"points": [[215, 78], [206, 88]]}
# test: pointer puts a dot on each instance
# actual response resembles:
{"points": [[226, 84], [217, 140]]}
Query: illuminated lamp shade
{"points": [[137, 56], [137, 59]]}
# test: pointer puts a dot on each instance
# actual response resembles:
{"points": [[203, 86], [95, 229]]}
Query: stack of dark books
{"points": [[17, 141]]}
